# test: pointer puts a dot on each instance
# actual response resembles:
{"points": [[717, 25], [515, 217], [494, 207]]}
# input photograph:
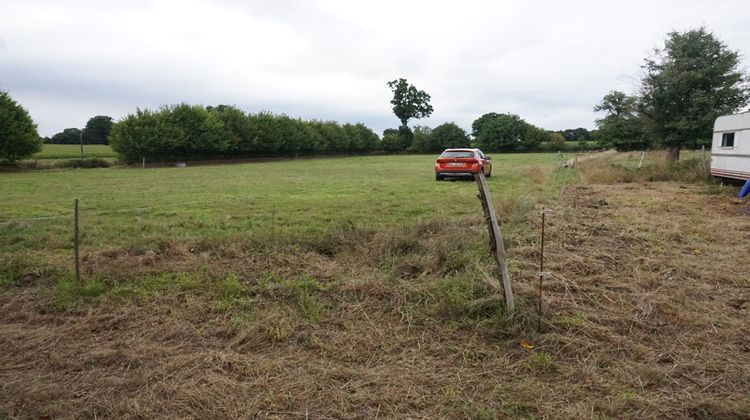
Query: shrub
{"points": [[18, 136], [83, 163]]}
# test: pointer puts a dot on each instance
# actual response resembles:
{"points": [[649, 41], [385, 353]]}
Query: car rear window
{"points": [[458, 154]]}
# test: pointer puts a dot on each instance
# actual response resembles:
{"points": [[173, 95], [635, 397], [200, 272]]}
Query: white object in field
{"points": [[730, 147]]}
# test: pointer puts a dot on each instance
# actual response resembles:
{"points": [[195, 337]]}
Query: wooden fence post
{"points": [[496, 239], [75, 241]]}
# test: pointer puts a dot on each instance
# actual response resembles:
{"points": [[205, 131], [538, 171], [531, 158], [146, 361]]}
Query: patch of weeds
{"points": [[571, 321], [451, 260], [540, 361], [302, 291], [156, 285], [462, 297], [230, 287], [22, 270], [231, 294], [404, 246], [716, 188], [68, 294], [311, 308], [239, 321], [5, 282]]}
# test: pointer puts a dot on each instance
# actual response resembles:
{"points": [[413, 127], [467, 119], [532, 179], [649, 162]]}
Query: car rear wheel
{"points": [[438, 177]]}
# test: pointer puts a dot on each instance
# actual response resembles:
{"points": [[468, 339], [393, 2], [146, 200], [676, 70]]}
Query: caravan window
{"points": [[727, 140]]}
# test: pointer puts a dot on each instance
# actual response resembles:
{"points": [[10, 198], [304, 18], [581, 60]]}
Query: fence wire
{"points": [[114, 211]]}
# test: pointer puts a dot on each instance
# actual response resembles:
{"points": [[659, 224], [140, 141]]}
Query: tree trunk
{"points": [[673, 153]]}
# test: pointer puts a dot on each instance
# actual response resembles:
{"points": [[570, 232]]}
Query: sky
{"points": [[548, 61]]}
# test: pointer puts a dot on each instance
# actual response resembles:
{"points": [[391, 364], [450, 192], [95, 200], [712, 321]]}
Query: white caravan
{"points": [[730, 148]]}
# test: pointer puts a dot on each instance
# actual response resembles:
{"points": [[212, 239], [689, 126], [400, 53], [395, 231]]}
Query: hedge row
{"points": [[195, 132]]}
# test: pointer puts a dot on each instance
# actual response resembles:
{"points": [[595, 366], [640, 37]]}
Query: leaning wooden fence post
{"points": [[541, 274], [496, 239], [75, 240]]}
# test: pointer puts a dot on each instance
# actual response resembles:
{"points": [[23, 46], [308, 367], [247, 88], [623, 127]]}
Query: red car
{"points": [[462, 162]]}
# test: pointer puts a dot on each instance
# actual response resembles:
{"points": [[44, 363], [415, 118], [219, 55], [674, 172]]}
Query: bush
{"points": [[83, 163], [18, 136], [505, 133], [448, 135]]}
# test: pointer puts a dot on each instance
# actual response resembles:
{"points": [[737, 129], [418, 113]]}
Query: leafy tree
{"points": [[361, 138], [293, 136], [239, 129], [622, 127], [422, 141], [688, 83], [532, 137], [392, 142], [408, 102], [97, 130], [18, 136], [144, 135], [406, 136], [556, 138], [198, 132], [399, 139], [335, 140], [449, 135], [504, 132], [68, 136], [576, 134]]}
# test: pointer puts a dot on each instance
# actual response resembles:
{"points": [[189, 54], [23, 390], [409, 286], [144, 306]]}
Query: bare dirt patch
{"points": [[646, 315]]}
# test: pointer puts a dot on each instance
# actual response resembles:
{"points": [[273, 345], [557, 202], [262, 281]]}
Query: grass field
{"points": [[73, 151], [361, 287], [290, 199]]}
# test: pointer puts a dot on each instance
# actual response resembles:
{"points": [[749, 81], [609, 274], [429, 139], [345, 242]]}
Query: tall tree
{"points": [[688, 83], [622, 127], [18, 136], [97, 130], [409, 102]]}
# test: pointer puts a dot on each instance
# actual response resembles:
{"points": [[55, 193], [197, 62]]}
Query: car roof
{"points": [[460, 150]]}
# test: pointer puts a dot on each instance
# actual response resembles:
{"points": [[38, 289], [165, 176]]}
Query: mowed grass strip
{"points": [[73, 151]]}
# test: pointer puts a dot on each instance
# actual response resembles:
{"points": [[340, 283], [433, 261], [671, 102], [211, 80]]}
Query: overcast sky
{"points": [[548, 61]]}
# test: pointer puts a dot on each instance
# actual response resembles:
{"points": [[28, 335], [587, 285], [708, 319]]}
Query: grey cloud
{"points": [[548, 61]]}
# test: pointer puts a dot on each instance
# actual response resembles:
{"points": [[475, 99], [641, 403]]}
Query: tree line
{"points": [[687, 84], [96, 131]]}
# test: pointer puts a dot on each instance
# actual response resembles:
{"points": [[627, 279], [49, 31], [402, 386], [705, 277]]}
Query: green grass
{"points": [[73, 151], [145, 232], [139, 208]]}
